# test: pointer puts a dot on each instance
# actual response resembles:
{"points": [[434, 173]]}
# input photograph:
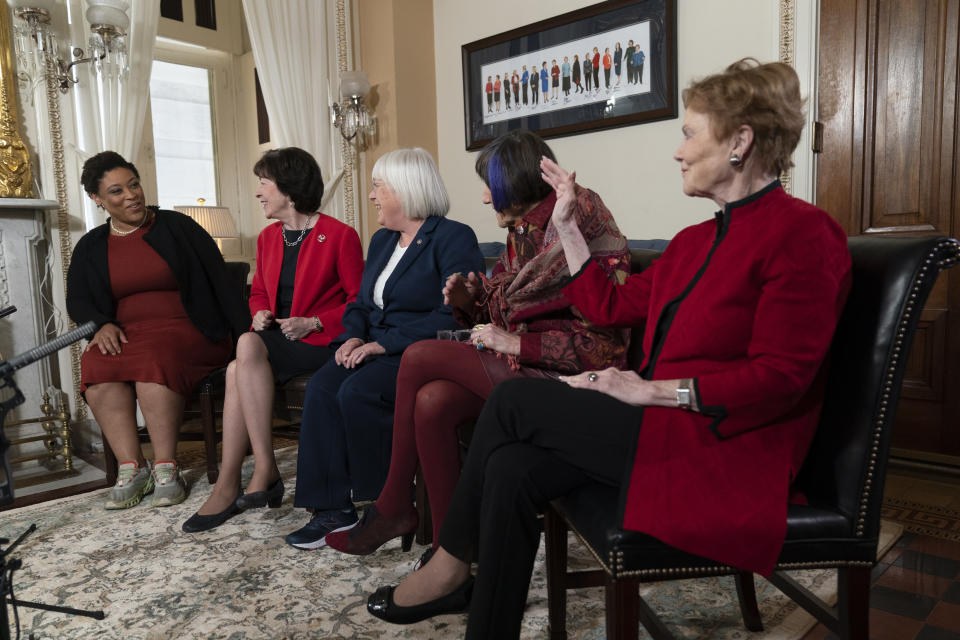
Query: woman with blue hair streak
{"points": [[523, 327]]}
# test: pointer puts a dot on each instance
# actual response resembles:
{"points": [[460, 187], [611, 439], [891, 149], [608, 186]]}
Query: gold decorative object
{"points": [[16, 178], [56, 438]]}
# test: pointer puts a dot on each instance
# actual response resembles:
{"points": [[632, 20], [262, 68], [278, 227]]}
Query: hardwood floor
{"points": [[915, 593]]}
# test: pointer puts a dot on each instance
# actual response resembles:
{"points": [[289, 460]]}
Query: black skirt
{"points": [[292, 358]]}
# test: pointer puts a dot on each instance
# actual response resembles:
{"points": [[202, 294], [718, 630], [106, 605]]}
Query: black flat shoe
{"points": [[381, 605], [197, 522], [273, 496]]}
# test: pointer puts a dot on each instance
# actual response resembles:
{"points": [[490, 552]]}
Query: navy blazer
{"points": [[413, 306]]}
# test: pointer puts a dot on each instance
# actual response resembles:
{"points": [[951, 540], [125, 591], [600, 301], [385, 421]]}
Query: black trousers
{"points": [[534, 441]]}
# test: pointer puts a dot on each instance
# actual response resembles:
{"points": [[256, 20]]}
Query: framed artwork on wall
{"points": [[608, 65]]}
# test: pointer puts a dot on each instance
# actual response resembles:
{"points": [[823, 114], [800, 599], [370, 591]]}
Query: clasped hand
{"points": [[293, 328], [354, 351]]}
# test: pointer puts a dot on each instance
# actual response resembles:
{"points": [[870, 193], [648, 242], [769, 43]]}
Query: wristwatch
{"points": [[684, 394]]}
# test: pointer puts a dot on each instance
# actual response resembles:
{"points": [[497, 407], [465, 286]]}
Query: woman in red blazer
{"points": [[309, 267], [738, 315]]}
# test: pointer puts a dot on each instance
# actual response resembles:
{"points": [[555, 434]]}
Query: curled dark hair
{"points": [[297, 176], [96, 166], [510, 167]]}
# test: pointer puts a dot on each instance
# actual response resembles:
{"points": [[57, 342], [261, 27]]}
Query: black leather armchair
{"points": [[842, 477]]}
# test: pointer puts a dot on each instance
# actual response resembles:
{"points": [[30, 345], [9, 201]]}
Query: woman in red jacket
{"points": [[738, 314], [309, 267]]}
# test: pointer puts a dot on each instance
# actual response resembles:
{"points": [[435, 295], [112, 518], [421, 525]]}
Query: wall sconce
{"points": [[354, 120], [218, 222], [37, 47]]}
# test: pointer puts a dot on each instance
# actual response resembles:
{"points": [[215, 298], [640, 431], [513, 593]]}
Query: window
{"points": [[183, 134]]}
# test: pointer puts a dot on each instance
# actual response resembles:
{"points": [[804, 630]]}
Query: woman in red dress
{"points": [[167, 314]]}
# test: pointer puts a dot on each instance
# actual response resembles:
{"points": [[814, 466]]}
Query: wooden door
{"points": [[889, 164]]}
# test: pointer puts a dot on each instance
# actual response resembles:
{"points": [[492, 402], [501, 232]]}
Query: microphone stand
{"points": [[7, 568]]}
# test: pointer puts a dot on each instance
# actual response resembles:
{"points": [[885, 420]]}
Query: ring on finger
{"points": [[592, 377]]}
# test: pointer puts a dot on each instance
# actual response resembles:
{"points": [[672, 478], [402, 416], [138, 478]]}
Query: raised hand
{"points": [[460, 292], [564, 184]]}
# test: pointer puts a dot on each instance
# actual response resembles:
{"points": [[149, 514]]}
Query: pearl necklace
{"points": [[126, 233], [303, 233]]}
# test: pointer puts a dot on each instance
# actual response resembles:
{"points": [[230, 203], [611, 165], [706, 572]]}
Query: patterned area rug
{"points": [[925, 519], [242, 582]]}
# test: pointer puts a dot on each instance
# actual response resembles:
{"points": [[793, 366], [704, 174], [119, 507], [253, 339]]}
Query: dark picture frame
{"points": [[549, 41]]}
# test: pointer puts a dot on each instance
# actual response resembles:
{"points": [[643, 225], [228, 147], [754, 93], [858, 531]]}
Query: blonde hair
{"points": [[765, 97], [413, 176]]}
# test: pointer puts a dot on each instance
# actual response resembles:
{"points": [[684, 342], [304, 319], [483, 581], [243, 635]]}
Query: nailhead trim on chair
{"points": [[614, 566], [950, 250]]}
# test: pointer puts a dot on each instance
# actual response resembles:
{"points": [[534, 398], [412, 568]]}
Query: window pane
{"points": [[182, 134]]}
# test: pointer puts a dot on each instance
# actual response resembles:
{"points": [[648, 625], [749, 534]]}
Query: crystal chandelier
{"points": [[37, 46]]}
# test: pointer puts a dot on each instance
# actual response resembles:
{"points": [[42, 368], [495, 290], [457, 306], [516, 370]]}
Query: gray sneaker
{"points": [[133, 482], [169, 487]]}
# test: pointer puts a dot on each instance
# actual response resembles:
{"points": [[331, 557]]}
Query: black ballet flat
{"points": [[272, 497], [197, 522], [380, 604]]}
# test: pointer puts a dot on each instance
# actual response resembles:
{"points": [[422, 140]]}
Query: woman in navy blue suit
{"points": [[348, 409]]}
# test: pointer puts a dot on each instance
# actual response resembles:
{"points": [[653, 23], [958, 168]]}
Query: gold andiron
{"points": [[16, 178]]}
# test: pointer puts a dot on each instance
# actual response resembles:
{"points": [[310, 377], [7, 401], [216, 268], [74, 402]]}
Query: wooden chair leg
{"points": [[425, 526], [555, 541], [853, 606], [747, 594], [623, 610], [109, 463], [209, 421]]}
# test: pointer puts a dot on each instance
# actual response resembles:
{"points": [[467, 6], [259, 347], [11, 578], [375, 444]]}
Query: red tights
{"points": [[440, 386]]}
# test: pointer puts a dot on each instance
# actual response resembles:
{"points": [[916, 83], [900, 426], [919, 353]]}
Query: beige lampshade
{"points": [[218, 222]]}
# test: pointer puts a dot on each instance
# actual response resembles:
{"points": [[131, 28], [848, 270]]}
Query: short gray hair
{"points": [[414, 177]]}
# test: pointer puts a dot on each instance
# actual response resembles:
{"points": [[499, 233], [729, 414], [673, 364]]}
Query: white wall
{"points": [[645, 197]]}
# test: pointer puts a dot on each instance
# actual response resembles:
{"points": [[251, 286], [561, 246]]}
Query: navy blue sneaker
{"points": [[311, 535]]}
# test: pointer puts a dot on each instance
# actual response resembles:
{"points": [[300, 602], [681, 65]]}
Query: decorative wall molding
{"points": [[786, 56], [346, 148], [64, 243], [4, 287], [798, 28]]}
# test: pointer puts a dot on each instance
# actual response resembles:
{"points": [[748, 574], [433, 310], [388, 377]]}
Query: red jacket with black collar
{"points": [[746, 306]]}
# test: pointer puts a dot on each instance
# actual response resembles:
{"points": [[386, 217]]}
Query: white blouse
{"points": [[381, 282]]}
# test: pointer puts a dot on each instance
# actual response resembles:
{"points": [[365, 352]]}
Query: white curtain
{"points": [[110, 113], [287, 38]]}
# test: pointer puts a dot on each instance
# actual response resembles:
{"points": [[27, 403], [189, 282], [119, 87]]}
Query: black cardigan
{"points": [[211, 300]]}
